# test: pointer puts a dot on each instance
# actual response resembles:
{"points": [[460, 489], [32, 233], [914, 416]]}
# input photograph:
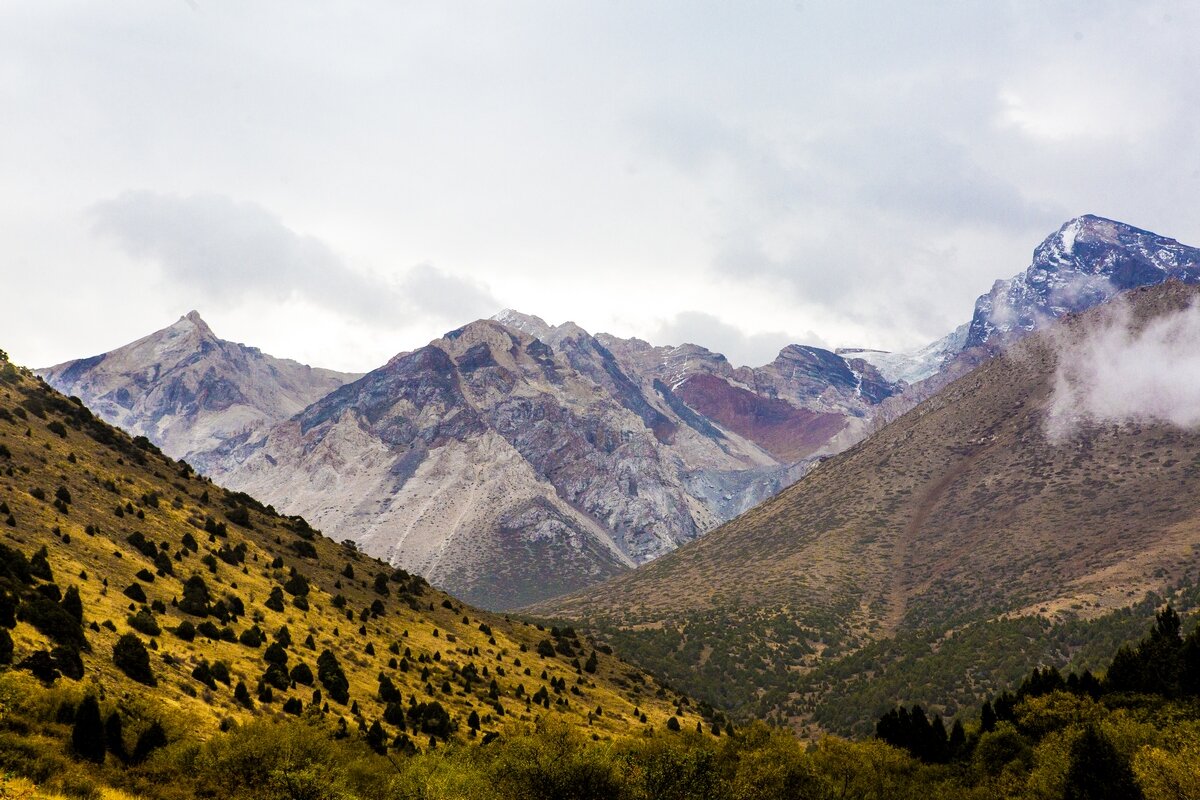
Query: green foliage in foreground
{"points": [[1136, 734], [751, 666], [1151, 749]]}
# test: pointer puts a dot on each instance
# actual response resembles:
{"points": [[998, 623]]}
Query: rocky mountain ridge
{"points": [[506, 465], [188, 391], [508, 460], [1083, 264], [1086, 262]]}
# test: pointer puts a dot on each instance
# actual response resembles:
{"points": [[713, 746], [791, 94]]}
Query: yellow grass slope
{"points": [[101, 503]]}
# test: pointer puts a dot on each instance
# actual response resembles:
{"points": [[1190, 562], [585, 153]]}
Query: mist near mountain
{"points": [[1119, 372]]}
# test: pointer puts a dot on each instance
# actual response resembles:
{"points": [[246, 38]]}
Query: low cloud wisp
{"points": [[1117, 373]]}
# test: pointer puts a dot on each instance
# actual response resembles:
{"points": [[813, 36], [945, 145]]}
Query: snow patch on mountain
{"points": [[911, 367]]}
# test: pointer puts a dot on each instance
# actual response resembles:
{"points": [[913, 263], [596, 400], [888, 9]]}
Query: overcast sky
{"points": [[338, 182]]}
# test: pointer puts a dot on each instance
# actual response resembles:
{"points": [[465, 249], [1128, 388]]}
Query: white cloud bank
{"points": [[1117, 373], [741, 348], [224, 251]]}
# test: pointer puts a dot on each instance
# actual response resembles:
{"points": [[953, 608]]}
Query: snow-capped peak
{"points": [[1084, 263]]}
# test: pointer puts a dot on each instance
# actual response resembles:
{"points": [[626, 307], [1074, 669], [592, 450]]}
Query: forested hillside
{"points": [[174, 609]]}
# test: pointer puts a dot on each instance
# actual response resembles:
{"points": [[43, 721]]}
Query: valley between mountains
{"points": [[688, 545], [752, 534]]}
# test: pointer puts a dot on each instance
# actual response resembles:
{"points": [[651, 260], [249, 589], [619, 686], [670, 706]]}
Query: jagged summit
{"points": [[533, 325], [1082, 264], [188, 390], [538, 328], [1087, 261], [190, 322]]}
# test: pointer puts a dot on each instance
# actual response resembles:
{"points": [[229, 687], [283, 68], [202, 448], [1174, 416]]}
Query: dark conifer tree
{"points": [[114, 736], [195, 597], [242, 695], [1005, 706], [275, 654], [151, 739], [283, 637], [329, 672], [87, 737], [72, 604], [1098, 771], [1159, 654], [39, 565], [1189, 664], [1125, 672], [937, 747], [130, 656], [957, 743]]}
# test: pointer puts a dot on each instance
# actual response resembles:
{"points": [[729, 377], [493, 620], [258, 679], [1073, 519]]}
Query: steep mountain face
{"points": [[804, 404], [188, 391], [960, 513], [1085, 263], [506, 467]]}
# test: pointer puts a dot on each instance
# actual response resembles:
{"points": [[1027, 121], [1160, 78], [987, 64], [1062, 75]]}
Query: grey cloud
{"points": [[875, 169], [448, 297], [1117, 374], [232, 251], [741, 348], [885, 232], [869, 279], [923, 175]]}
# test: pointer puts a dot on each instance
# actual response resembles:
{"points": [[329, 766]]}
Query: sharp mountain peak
{"points": [[189, 322]]}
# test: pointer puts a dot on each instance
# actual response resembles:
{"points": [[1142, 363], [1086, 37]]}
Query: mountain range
{"points": [[511, 460], [188, 391], [507, 461]]}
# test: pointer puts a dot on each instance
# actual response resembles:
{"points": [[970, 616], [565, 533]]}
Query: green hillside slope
{"points": [[959, 522]]}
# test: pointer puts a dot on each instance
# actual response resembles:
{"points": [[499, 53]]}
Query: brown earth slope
{"points": [[961, 511]]}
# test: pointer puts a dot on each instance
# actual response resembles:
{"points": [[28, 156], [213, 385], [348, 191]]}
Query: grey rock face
{"points": [[1085, 263], [188, 391], [504, 467], [507, 461]]}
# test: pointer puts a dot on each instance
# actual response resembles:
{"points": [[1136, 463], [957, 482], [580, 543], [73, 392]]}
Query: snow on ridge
{"points": [[1070, 231], [913, 366]]}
